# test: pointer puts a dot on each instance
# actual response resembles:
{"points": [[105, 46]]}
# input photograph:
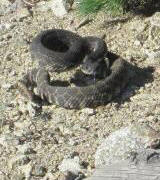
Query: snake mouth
{"points": [[54, 43], [88, 70], [91, 66]]}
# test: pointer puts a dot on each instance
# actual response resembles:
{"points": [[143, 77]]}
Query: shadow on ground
{"points": [[138, 77]]}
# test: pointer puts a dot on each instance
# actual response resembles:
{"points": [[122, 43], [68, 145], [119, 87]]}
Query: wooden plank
{"points": [[125, 171]]}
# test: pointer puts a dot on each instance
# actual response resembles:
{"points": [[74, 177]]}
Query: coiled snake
{"points": [[60, 49]]}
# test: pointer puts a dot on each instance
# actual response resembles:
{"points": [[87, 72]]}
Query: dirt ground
{"points": [[33, 146]]}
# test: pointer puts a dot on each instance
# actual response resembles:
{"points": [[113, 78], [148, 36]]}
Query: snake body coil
{"points": [[58, 50]]}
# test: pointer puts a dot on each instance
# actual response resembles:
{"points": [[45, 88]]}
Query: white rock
{"points": [[71, 165], [4, 3], [8, 140], [33, 109], [88, 111], [153, 57], [18, 161], [4, 27], [59, 7], [25, 149], [23, 13], [137, 43], [11, 7], [120, 144], [6, 86], [43, 6], [155, 19], [26, 169]]}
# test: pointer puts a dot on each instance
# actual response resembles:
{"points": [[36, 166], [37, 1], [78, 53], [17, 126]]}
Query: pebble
{"points": [[73, 142], [26, 169], [154, 56], [137, 43], [8, 140], [8, 56], [58, 7], [5, 27], [33, 109], [5, 3], [71, 165], [42, 6], [18, 160], [22, 14], [39, 170], [155, 19], [25, 149], [6, 86], [89, 111]]}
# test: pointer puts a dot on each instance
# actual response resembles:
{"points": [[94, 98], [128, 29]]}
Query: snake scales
{"points": [[58, 50]]}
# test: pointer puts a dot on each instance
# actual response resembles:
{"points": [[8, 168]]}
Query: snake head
{"points": [[91, 64]]}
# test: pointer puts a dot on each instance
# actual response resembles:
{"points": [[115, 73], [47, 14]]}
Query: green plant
{"points": [[93, 6], [90, 6], [118, 6]]}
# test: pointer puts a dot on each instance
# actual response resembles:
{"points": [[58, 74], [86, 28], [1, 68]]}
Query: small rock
{"points": [[5, 27], [6, 86], [71, 165], [17, 5], [137, 43], [59, 7], [20, 125], [26, 169], [88, 111], [73, 142], [26, 149], [155, 19], [33, 109], [4, 3], [19, 161], [153, 57], [42, 6], [9, 140], [22, 13], [8, 56], [39, 170]]}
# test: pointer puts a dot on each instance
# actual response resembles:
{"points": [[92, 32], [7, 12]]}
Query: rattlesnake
{"points": [[59, 49]]}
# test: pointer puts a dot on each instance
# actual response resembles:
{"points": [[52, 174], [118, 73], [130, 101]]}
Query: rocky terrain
{"points": [[33, 145]]}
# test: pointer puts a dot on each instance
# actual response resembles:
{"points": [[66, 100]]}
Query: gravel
{"points": [[56, 132]]}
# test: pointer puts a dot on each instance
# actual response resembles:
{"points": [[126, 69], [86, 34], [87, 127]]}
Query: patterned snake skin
{"points": [[47, 48]]}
